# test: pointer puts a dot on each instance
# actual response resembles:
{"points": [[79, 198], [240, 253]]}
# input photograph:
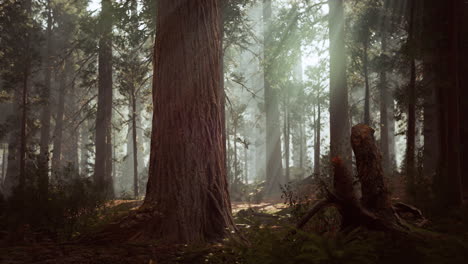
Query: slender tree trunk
{"points": [[135, 146], [236, 161], [24, 103], [187, 191], [46, 113], [246, 166], [384, 117], [317, 146], [103, 164], [411, 122], [58, 134], [286, 133], [367, 118], [430, 132], [339, 116], [273, 133], [84, 159], [4, 160]]}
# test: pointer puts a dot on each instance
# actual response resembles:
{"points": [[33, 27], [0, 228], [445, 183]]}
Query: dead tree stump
{"points": [[374, 210]]}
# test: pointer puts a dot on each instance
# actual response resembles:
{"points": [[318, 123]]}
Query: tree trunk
{"points": [[375, 210], [339, 116], [57, 153], [430, 132], [411, 122], [135, 146], [286, 131], [318, 128], [448, 184], [463, 105], [384, 120], [187, 196], [46, 113], [273, 133], [103, 163], [367, 118], [4, 160], [84, 141]]}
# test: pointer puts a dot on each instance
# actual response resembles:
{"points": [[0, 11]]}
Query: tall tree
{"points": [[273, 133], [339, 117], [443, 51], [46, 113], [187, 175], [103, 164]]}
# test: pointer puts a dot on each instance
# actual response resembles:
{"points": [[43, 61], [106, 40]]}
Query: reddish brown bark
{"points": [[187, 189], [375, 210], [274, 166]]}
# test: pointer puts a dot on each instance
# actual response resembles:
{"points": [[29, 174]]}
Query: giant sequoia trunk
{"points": [[339, 117], [273, 134], [187, 196], [103, 164]]}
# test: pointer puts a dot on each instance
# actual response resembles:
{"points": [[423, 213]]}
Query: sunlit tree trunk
{"points": [[46, 115], [187, 186], [103, 163], [273, 133], [287, 139], [339, 116]]}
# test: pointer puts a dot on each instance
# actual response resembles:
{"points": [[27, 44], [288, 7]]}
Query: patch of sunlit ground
{"points": [[270, 207]]}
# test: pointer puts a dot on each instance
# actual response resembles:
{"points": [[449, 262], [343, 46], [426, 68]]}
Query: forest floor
{"points": [[266, 225]]}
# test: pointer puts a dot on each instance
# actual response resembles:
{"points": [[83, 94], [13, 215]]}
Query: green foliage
{"points": [[68, 209]]}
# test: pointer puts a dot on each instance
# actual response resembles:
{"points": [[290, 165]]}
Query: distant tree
{"points": [[339, 118], [103, 141]]}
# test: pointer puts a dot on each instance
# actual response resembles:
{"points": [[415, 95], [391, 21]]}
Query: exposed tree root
{"points": [[374, 210]]}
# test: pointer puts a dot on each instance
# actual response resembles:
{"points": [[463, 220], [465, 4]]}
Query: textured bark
{"points": [[339, 116], [274, 165], [187, 190], [103, 141], [374, 211], [369, 166], [384, 120]]}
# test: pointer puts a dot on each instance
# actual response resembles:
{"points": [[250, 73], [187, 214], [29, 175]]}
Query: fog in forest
{"points": [[186, 120]]}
